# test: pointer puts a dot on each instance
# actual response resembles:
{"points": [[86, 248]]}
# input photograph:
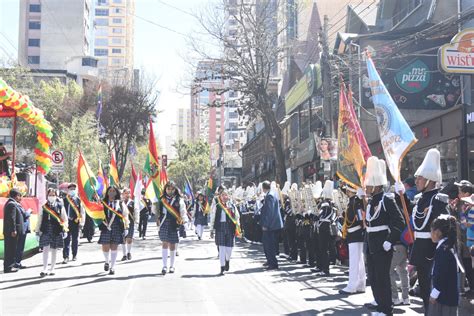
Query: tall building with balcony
{"points": [[114, 39], [55, 39]]}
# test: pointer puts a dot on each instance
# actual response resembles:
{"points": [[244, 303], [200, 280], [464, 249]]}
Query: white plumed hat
{"points": [[375, 174], [317, 189], [328, 189], [430, 168], [286, 188]]}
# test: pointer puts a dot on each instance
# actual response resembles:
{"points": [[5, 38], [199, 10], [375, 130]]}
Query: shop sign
{"points": [[469, 118], [413, 78], [304, 88], [458, 56]]}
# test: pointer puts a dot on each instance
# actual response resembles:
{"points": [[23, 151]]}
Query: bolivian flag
{"points": [[86, 184], [152, 167]]}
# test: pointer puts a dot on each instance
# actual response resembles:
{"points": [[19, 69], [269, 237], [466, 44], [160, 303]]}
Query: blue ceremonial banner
{"points": [[395, 135]]}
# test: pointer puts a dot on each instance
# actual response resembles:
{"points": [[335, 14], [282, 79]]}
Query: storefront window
{"points": [[449, 160], [304, 121]]}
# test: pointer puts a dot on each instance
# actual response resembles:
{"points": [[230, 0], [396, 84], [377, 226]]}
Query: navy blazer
{"points": [[13, 218], [444, 277], [270, 216]]}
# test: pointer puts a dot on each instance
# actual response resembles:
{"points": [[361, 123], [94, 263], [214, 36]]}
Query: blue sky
{"points": [[157, 50]]}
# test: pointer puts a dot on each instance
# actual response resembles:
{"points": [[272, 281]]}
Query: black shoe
{"points": [[316, 270], [271, 268], [52, 273], [43, 274], [106, 267], [265, 264], [222, 270], [171, 270], [346, 292], [74, 258], [227, 262], [112, 271], [10, 270], [370, 306], [129, 256], [19, 266], [66, 260], [199, 238], [163, 271], [124, 258]]}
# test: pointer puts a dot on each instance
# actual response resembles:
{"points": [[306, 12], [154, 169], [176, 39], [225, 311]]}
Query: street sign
{"points": [[57, 158]]}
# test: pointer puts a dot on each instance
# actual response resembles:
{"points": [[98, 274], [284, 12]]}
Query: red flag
{"points": [[133, 180], [360, 136]]}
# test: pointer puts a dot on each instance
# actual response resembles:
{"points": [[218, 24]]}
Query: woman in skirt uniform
{"points": [[132, 215], [52, 228], [171, 215], [200, 217], [113, 228], [227, 226]]}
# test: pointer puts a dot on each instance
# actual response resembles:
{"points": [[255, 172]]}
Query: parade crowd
{"points": [[417, 233]]}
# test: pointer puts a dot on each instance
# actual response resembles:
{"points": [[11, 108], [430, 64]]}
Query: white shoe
{"points": [[397, 302]]}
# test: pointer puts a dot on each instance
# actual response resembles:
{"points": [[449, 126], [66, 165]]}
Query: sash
{"points": [[231, 216], [130, 213], [117, 213], [172, 211], [75, 208], [55, 215]]}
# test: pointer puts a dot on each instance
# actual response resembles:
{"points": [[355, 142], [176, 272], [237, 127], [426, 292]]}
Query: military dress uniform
{"points": [[289, 237], [76, 220], [384, 224], [429, 205], [354, 236], [305, 224], [327, 216]]}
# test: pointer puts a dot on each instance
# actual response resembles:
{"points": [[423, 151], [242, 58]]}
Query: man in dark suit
{"points": [[12, 227], [20, 248], [271, 222]]}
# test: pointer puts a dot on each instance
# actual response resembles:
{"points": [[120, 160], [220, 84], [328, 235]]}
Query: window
{"points": [[117, 20], [34, 42], [92, 62], [102, 2], [102, 31], [101, 42], [233, 115], [116, 50], [117, 1], [292, 19], [118, 10], [34, 25], [35, 7], [401, 11], [101, 52], [101, 12], [33, 60], [117, 30], [117, 61], [116, 40], [102, 22]]}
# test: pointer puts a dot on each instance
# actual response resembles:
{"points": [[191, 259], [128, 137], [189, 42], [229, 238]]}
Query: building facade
{"points": [[113, 35], [183, 125]]}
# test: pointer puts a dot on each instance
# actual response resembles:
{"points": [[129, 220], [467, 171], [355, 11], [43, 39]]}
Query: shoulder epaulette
{"points": [[325, 204], [390, 195], [442, 197]]}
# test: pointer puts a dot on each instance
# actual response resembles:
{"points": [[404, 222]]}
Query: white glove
{"points": [[399, 188], [125, 232], [64, 235], [387, 245], [360, 193]]}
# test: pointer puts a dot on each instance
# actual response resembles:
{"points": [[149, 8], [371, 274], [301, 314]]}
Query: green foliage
{"points": [[82, 135], [192, 161]]}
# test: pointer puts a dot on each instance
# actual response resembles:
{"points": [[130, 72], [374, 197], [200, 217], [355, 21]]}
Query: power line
{"points": [[177, 9]]}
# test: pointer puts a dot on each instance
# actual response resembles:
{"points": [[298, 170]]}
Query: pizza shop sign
{"points": [[414, 77], [458, 56]]}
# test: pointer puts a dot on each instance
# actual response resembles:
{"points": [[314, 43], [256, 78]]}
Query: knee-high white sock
{"points": [[113, 258], [129, 248], [124, 249], [172, 256], [53, 259], [106, 256], [45, 258], [222, 255], [228, 253], [164, 254]]}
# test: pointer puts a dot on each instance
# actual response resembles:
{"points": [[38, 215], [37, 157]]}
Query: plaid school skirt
{"points": [[131, 229], [48, 238], [167, 232], [114, 236], [225, 235], [200, 219]]}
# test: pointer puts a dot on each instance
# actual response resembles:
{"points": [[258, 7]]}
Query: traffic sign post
{"points": [[57, 158]]}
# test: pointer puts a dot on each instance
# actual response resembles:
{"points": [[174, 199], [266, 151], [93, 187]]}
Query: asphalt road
{"points": [[83, 288]]}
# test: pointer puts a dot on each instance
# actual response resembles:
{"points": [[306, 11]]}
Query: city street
{"points": [[83, 288]]}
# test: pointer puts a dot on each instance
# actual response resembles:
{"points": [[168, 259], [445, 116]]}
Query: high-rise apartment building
{"points": [[51, 32], [114, 39], [55, 40], [184, 124]]}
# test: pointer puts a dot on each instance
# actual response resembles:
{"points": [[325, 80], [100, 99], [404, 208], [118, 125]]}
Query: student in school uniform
{"points": [[226, 226], [132, 216], [444, 296], [171, 215], [114, 228], [51, 228], [76, 218], [200, 217]]}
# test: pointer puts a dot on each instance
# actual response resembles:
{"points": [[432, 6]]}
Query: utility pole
{"points": [[326, 77]]}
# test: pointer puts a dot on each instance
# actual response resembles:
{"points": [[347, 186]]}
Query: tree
{"points": [[125, 117], [192, 162], [247, 60], [81, 134]]}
